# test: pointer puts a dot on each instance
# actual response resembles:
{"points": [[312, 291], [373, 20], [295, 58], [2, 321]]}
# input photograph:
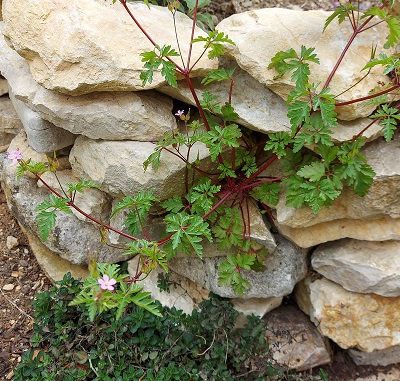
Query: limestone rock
{"points": [[361, 266], [260, 34], [88, 45], [73, 240], [183, 294], [10, 124], [295, 341], [53, 266], [376, 358], [118, 167], [110, 116], [92, 201], [43, 136], [258, 107], [366, 322], [384, 375], [383, 198], [3, 87], [256, 306], [380, 229], [11, 242], [286, 266]]}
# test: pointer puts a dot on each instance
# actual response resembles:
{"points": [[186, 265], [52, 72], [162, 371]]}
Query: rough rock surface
{"points": [[380, 229], [52, 265], [361, 266], [256, 306], [183, 294], [377, 358], [42, 135], [260, 109], [10, 124], [286, 266], [105, 115], [118, 167], [295, 341], [384, 375], [92, 201], [366, 322], [72, 239], [383, 198], [255, 32], [93, 45]]}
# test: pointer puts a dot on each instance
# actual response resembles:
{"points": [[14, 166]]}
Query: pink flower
{"points": [[15, 156], [106, 283], [180, 113]]}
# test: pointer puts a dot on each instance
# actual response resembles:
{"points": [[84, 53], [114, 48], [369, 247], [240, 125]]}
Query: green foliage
{"points": [[187, 232], [217, 75], [202, 197], [140, 345], [81, 186], [230, 271], [388, 118], [341, 12], [392, 22], [219, 138], [298, 64], [138, 207], [214, 43], [154, 59], [46, 214], [29, 166], [98, 301], [267, 194]]}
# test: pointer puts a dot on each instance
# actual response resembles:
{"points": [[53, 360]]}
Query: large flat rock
{"points": [[83, 46], [286, 266], [261, 33], [143, 115], [361, 266], [118, 167], [366, 322]]}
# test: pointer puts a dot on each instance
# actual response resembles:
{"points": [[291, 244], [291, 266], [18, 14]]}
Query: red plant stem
{"points": [[218, 204], [339, 61], [383, 92], [124, 4], [231, 90], [192, 36], [364, 129], [262, 168], [91, 218]]}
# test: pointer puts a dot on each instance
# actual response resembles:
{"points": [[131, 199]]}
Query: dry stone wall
{"points": [[72, 85]]}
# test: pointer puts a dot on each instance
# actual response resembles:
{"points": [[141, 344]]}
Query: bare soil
{"points": [[18, 268]]}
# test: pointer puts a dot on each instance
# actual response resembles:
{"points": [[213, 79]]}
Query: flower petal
{"points": [[112, 282], [106, 278]]}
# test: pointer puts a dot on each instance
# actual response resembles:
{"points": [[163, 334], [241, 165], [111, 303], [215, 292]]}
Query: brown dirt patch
{"points": [[19, 268]]}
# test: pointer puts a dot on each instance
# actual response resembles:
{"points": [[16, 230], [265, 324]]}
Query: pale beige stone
{"points": [[260, 109], [53, 266], [380, 229], [361, 266], [82, 46], [260, 34], [183, 294], [10, 124], [382, 199], [118, 167], [92, 201], [256, 306], [366, 322], [144, 115]]}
